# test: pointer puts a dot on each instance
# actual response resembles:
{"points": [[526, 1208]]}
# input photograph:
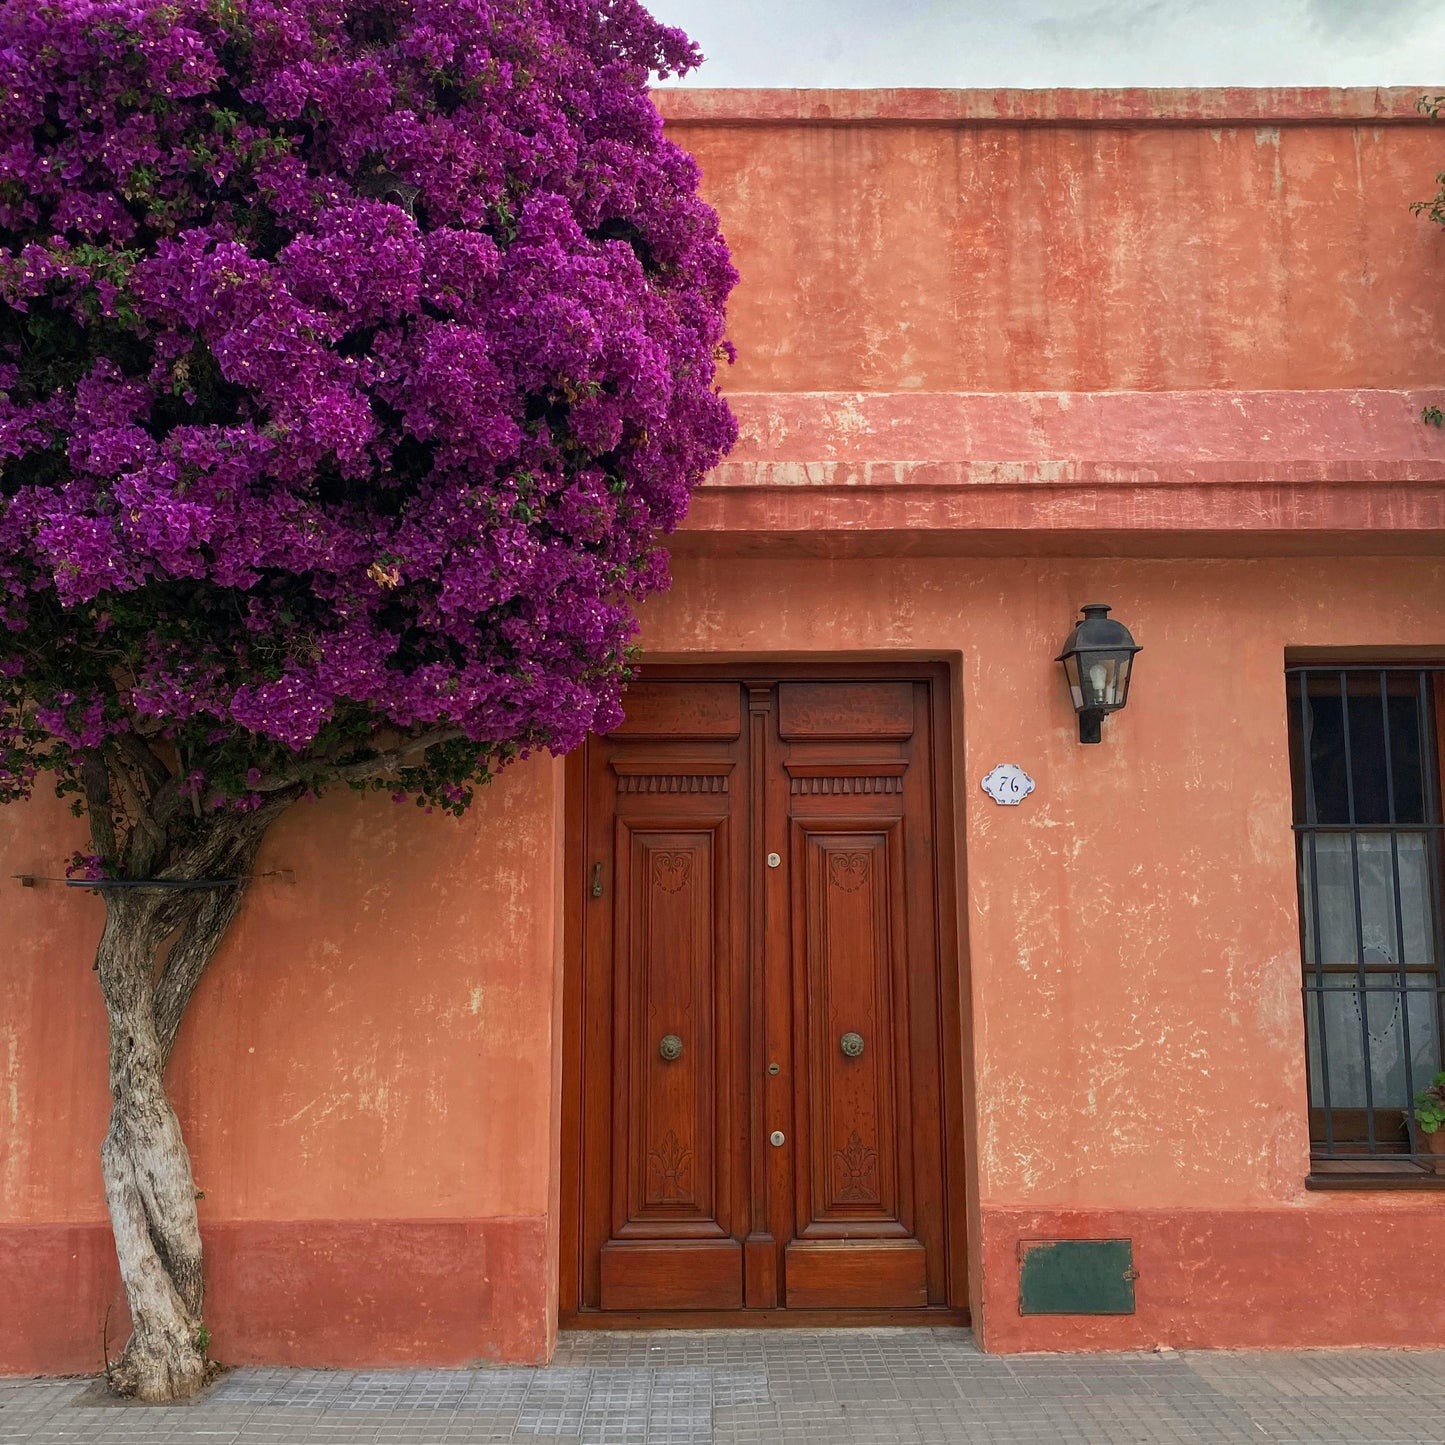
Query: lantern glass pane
{"points": [[1126, 662], [1071, 672], [1105, 679]]}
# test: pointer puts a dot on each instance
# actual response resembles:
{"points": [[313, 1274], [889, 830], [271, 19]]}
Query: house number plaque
{"points": [[1008, 785]]}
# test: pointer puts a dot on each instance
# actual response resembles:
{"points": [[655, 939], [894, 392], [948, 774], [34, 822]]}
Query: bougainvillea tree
{"points": [[353, 355]]}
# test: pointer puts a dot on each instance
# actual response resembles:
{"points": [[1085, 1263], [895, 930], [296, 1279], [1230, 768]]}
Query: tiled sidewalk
{"points": [[876, 1387]]}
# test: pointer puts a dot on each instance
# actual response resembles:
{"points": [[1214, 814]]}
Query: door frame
{"points": [[960, 1156]]}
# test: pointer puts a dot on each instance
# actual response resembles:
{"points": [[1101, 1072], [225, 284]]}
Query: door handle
{"points": [[852, 1045], [670, 1048]]}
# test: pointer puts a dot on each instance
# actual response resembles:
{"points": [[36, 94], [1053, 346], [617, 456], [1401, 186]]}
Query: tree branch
{"points": [[395, 759], [390, 761], [95, 779], [227, 849], [139, 860], [143, 756], [167, 800]]}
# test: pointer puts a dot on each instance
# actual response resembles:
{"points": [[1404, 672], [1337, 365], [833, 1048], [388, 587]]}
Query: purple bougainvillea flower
{"points": [[353, 357]]}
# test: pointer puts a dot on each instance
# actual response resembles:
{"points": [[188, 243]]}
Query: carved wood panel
{"points": [[851, 910], [671, 962], [660, 1190], [675, 712], [672, 775], [869, 1178], [814, 710]]}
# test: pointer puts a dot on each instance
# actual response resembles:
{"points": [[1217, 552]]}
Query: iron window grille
{"points": [[1365, 751]]}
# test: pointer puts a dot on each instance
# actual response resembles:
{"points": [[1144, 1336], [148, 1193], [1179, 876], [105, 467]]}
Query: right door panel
{"points": [[868, 1162]]}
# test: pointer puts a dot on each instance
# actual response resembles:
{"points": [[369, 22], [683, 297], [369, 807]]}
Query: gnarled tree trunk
{"points": [[176, 872], [149, 1187]]}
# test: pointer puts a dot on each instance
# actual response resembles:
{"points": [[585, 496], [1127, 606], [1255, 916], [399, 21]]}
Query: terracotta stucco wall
{"points": [[366, 1078], [882, 253], [1132, 929], [1154, 322], [369, 1077]]}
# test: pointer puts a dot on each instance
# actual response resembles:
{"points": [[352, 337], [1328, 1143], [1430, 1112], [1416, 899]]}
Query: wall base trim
{"points": [[327, 1292], [377, 1292], [1329, 1274]]}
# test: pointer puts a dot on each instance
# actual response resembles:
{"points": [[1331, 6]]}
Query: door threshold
{"points": [[762, 1319]]}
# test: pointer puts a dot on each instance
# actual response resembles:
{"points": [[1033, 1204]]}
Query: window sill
{"points": [[1372, 1174]]}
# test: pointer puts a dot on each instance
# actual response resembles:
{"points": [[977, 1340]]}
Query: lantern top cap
{"points": [[1096, 631]]}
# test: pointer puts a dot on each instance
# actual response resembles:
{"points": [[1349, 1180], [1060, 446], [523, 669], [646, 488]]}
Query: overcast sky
{"points": [[1064, 42]]}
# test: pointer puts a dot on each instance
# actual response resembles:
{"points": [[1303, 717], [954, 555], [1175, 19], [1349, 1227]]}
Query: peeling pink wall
{"points": [[1133, 940], [884, 254], [366, 1079], [369, 1078]]}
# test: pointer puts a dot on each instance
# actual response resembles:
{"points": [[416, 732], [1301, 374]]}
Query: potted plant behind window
{"points": [[1430, 1120]]}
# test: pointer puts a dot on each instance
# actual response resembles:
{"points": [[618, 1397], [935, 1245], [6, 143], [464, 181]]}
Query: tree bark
{"points": [[149, 1187]]}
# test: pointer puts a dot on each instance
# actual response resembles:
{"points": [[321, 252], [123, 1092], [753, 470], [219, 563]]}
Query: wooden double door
{"points": [[764, 1030]]}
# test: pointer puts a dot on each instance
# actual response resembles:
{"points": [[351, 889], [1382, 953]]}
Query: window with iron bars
{"points": [[1365, 747]]}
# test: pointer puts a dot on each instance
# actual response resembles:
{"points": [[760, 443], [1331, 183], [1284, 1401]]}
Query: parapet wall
{"points": [[1133, 240]]}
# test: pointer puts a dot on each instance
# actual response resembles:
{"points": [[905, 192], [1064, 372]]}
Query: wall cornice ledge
{"points": [[1208, 433], [1382, 105], [1178, 473], [1030, 512]]}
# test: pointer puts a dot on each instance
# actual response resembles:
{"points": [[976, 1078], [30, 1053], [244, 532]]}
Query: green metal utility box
{"points": [[1076, 1276]]}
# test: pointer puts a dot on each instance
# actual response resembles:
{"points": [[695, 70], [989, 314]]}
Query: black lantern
{"points": [[1097, 658]]}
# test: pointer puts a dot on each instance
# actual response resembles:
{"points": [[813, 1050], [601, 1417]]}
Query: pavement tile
{"points": [[867, 1387]]}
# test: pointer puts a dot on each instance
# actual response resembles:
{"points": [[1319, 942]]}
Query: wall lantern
{"points": [[1097, 658]]}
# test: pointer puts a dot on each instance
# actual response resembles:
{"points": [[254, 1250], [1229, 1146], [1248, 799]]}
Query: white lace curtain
{"points": [[1398, 1013]]}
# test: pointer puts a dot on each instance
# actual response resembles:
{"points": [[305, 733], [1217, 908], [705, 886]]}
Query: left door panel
{"points": [[664, 1203]]}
